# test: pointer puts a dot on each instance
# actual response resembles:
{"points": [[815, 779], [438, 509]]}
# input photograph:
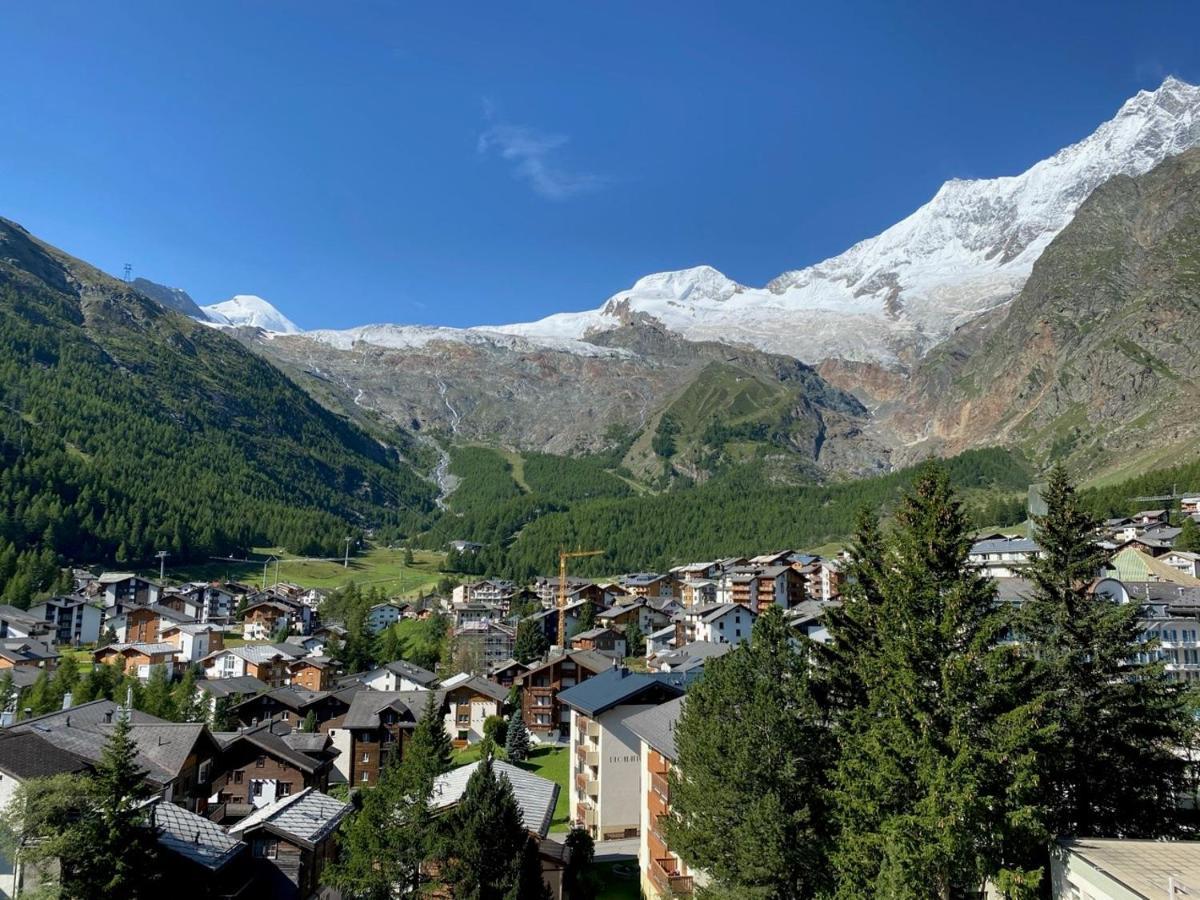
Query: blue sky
{"points": [[461, 164]]}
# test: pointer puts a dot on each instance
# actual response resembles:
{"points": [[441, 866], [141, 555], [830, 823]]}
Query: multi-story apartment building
{"points": [[495, 641], [664, 873], [650, 584], [71, 620], [779, 585], [375, 729], [1002, 556], [541, 685], [605, 762]]}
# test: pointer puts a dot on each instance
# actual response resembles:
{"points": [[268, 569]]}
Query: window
{"points": [[260, 762], [266, 848], [365, 778], [237, 776], [283, 789], [463, 735], [256, 788], [366, 757]]}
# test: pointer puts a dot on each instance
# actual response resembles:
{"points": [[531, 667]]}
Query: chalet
{"points": [[697, 592], [204, 860], [234, 689], [291, 841], [781, 558], [536, 798], [259, 765], [624, 614], [660, 641], [1186, 562], [192, 640], [541, 709], [323, 639], [505, 672], [70, 620], [1130, 564], [688, 658], [262, 661], [1003, 556], [1148, 517], [263, 618], [664, 874], [186, 603], [649, 584], [692, 572], [492, 590], [138, 658], [375, 730], [178, 756], [313, 673], [145, 624], [809, 617], [471, 700], [717, 623], [291, 705], [602, 640], [21, 653], [546, 589], [399, 675], [605, 758]]}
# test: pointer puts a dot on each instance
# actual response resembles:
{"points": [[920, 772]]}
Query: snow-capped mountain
{"points": [[891, 297], [246, 309]]}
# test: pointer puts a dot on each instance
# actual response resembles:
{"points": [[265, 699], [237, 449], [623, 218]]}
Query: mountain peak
{"points": [[252, 311]]}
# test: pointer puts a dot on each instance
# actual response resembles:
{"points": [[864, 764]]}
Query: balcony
{"points": [[586, 755], [660, 786], [593, 729], [586, 816], [665, 875]]}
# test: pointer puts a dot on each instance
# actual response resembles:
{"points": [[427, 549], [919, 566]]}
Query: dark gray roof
{"points": [[272, 738], [617, 686], [691, 656], [809, 611], [411, 671], [656, 726], [482, 686], [592, 660], [1006, 545], [367, 705], [194, 837], [29, 755], [224, 687]]}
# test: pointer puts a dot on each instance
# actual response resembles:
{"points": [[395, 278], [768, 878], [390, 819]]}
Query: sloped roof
{"points": [[1006, 545], [1141, 867], [266, 738], [240, 684], [656, 726], [194, 837], [29, 755], [306, 817], [405, 669], [482, 686], [367, 705], [617, 686], [1131, 564], [535, 796]]}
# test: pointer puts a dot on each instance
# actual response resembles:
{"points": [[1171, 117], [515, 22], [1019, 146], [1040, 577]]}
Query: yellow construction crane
{"points": [[563, 556]]}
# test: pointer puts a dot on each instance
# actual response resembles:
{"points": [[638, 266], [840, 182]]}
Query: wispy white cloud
{"points": [[531, 153]]}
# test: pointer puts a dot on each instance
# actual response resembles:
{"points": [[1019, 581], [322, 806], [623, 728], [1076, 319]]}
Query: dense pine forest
{"points": [[127, 429]]}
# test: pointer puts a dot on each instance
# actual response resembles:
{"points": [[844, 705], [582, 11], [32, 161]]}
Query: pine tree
{"points": [[223, 718], [1113, 772], [934, 783], [123, 857], [530, 643], [156, 698], [516, 744], [485, 841], [752, 752], [41, 697], [186, 700], [391, 647], [8, 693], [635, 641], [66, 679], [587, 617], [1189, 536], [309, 724], [430, 741]]}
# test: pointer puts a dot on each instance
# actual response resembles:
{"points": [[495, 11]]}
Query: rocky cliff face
{"points": [[506, 390], [1098, 353]]}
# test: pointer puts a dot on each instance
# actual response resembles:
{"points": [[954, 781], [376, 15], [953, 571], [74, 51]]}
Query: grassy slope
{"points": [[377, 567]]}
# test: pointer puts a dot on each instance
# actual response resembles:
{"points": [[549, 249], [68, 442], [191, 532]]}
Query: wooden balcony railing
{"points": [[659, 783], [665, 875]]}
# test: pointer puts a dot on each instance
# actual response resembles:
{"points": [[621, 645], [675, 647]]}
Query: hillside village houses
{"points": [[615, 724]]}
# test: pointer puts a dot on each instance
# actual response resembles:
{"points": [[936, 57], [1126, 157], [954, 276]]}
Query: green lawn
{"points": [[549, 762], [377, 567]]}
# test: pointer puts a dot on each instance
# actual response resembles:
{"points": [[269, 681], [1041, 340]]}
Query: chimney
{"points": [[67, 699], [108, 717]]}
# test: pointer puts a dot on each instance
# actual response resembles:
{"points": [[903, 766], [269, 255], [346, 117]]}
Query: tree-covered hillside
{"points": [[126, 429]]}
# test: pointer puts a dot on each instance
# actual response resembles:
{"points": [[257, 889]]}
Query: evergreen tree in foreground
{"points": [[487, 849], [123, 857], [934, 783], [753, 751], [516, 744], [1112, 772], [530, 643], [1189, 536], [385, 842]]}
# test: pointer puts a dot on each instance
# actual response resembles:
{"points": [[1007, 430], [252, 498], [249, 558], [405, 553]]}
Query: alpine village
{"points": [[881, 580]]}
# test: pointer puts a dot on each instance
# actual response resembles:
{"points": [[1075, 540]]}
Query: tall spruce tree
{"points": [[752, 754], [516, 741], [1118, 721], [385, 842], [530, 643], [934, 781], [486, 845], [1189, 536], [123, 858]]}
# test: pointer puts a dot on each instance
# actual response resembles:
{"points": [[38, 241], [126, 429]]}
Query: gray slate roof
{"points": [[367, 705], [535, 796], [194, 837], [413, 673], [1006, 545], [29, 755], [656, 726], [307, 817], [616, 686], [224, 687]]}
